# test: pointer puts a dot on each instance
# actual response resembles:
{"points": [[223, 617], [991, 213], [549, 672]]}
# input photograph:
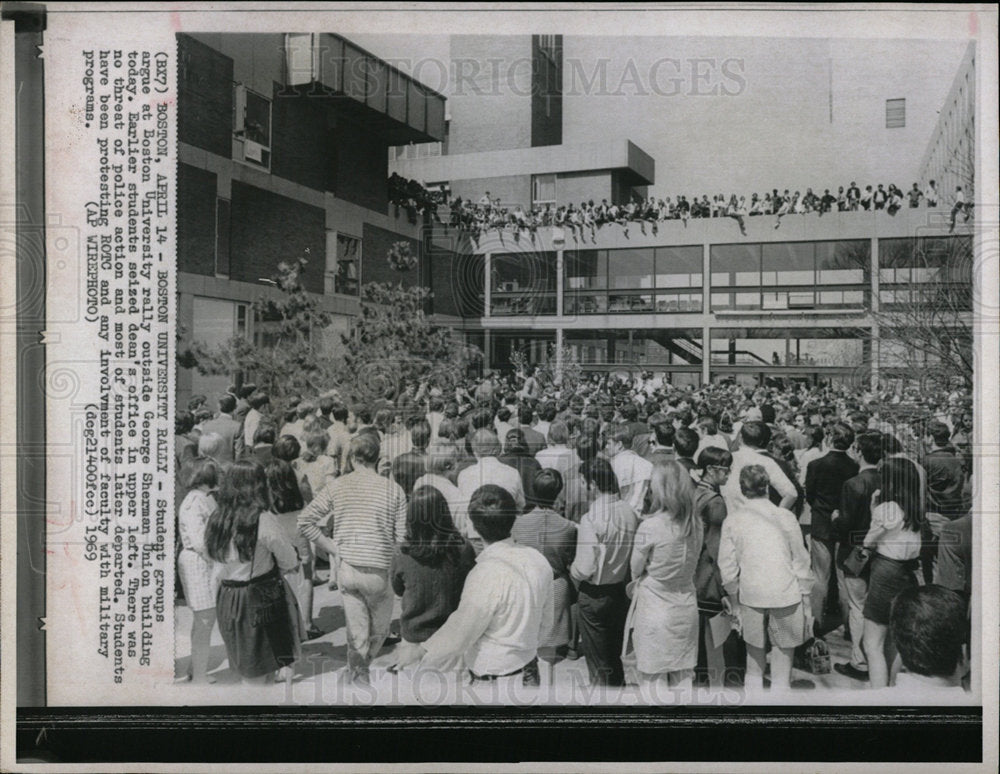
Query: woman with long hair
{"points": [[197, 572], [430, 566], [253, 602], [663, 617], [286, 501], [894, 540]]}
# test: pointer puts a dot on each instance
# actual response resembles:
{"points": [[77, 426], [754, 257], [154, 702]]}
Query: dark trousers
{"points": [[602, 627], [734, 655]]}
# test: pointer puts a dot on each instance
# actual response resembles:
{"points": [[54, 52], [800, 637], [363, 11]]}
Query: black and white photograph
{"points": [[562, 360]]}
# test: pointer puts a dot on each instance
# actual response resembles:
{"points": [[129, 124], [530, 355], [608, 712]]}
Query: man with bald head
{"points": [[489, 470]]}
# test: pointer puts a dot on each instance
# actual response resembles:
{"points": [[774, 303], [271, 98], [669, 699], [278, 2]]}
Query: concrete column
{"points": [[706, 278], [559, 348], [706, 354], [487, 282], [559, 286], [487, 351], [874, 351]]}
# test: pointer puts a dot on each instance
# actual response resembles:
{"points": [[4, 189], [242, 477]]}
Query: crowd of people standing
{"points": [[670, 537]]}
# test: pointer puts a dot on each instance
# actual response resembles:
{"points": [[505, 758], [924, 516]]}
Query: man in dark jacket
{"points": [[825, 477], [716, 660], [850, 525], [946, 499]]}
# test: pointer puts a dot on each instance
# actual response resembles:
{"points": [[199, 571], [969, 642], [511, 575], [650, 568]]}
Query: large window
{"points": [[343, 263], [927, 270], [895, 113], [790, 275], [543, 189], [523, 284], [666, 279], [251, 127], [771, 348]]}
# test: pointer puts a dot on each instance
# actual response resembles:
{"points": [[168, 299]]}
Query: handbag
{"points": [[856, 561]]}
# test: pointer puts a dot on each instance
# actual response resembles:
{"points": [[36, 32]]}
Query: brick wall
{"points": [[374, 265], [205, 97], [302, 144], [361, 166], [195, 220], [268, 228]]}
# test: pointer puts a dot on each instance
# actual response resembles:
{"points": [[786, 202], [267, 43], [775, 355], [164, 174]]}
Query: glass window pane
{"points": [[844, 262], [735, 265], [586, 269], [789, 263], [678, 267], [631, 268]]}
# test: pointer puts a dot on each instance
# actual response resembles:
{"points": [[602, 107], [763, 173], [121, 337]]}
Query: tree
{"points": [[923, 317], [392, 343], [287, 357]]}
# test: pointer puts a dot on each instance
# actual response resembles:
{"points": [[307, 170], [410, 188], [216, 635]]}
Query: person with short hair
{"points": [[557, 455], [489, 470], [340, 436], [850, 524], [503, 612], [710, 508], [411, 465], [927, 623], [765, 571], [662, 622], [258, 403], [825, 478], [755, 436], [313, 464], [227, 428], [441, 473], [632, 471], [686, 446], [366, 514], [543, 529], [263, 442], [600, 567]]}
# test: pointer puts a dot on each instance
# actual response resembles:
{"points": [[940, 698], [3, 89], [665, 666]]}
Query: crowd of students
{"points": [[671, 537], [491, 214]]}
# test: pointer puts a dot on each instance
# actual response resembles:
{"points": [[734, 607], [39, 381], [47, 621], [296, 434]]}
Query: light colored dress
{"points": [[199, 574], [663, 617]]}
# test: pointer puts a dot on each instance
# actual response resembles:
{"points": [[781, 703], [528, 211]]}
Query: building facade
{"points": [[697, 301], [283, 144]]}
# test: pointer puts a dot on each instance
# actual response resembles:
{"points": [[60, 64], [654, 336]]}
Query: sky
{"points": [[739, 114]]}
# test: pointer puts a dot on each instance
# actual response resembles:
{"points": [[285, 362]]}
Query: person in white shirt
{"points": [[931, 194], [442, 473], [258, 402], [765, 570], [633, 471], [496, 629], [755, 436], [603, 552], [708, 429], [489, 470], [558, 455]]}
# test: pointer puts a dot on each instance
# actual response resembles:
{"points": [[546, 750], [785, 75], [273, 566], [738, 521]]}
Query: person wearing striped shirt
{"points": [[366, 516]]}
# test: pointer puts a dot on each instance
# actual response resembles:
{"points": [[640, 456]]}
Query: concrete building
{"points": [[283, 149], [950, 158], [695, 301]]}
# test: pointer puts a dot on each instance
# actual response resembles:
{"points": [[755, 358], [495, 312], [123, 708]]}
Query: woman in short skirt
{"points": [[254, 603], [894, 539], [286, 504], [197, 571], [663, 619]]}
